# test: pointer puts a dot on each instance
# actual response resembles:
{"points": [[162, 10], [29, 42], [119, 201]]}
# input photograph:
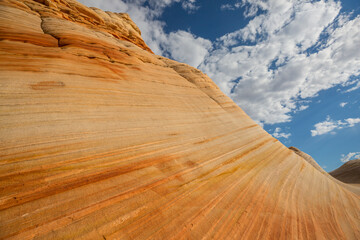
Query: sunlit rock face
{"points": [[102, 139], [308, 158], [347, 175]]}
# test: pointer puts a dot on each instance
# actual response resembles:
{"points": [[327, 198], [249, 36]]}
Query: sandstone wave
{"points": [[102, 139]]}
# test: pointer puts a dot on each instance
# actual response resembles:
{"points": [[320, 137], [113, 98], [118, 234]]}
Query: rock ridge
{"points": [[349, 172]]}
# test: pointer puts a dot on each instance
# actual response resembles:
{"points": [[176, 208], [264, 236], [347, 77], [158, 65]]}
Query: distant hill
{"points": [[349, 172]]}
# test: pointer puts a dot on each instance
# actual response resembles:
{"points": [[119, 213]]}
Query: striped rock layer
{"points": [[102, 139], [348, 175], [308, 158]]}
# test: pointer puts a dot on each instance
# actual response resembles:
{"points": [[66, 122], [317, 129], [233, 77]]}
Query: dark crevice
{"points": [[47, 32], [107, 55], [42, 24]]}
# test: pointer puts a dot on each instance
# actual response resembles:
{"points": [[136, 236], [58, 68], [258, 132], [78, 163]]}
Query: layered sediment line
{"points": [[308, 158], [102, 139], [344, 176]]}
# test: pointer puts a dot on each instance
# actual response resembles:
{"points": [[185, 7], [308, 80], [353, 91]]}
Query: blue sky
{"points": [[292, 65]]}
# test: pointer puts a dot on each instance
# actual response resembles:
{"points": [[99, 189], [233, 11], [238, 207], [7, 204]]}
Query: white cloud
{"points": [[301, 108], [357, 86], [278, 134], [290, 52], [190, 6], [350, 156], [185, 47], [251, 7], [230, 6], [324, 127], [343, 104], [329, 125], [352, 121], [153, 30]]}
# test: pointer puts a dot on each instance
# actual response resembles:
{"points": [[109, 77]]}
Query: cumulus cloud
{"points": [[146, 17], [329, 125], [185, 47], [278, 134], [352, 121], [343, 104], [324, 127], [290, 52], [350, 156]]}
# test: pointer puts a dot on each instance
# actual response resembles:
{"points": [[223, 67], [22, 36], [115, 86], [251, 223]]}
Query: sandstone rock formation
{"points": [[102, 139], [308, 158], [349, 172]]}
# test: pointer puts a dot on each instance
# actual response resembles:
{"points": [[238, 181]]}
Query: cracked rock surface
{"points": [[102, 139]]}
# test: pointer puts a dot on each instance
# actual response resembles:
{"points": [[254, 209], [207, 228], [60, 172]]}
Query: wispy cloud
{"points": [[251, 7], [190, 6], [329, 125], [230, 6], [350, 156], [343, 104], [357, 86], [278, 134]]}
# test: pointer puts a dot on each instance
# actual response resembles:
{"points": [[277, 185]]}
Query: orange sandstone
{"points": [[102, 139], [308, 158], [347, 175]]}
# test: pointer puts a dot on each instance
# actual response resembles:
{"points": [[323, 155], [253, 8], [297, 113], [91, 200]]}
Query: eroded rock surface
{"points": [[102, 139]]}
